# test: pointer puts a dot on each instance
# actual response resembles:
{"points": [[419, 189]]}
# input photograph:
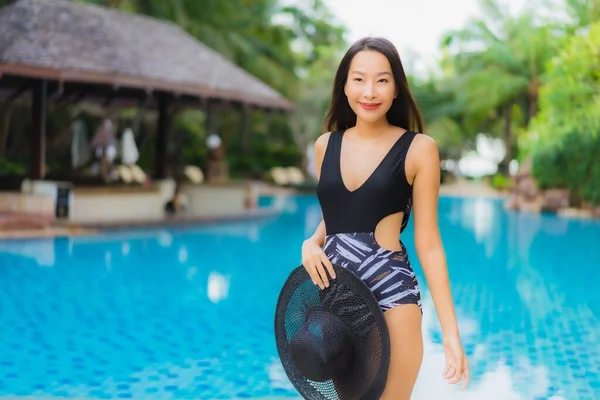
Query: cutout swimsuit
{"points": [[351, 218]]}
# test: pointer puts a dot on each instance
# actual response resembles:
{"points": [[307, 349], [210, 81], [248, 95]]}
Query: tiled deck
{"points": [[60, 228], [175, 220]]}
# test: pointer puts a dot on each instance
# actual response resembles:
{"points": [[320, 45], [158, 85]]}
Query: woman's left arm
{"points": [[428, 242], [430, 252]]}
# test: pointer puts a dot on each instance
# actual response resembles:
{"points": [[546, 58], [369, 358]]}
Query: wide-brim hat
{"points": [[334, 342]]}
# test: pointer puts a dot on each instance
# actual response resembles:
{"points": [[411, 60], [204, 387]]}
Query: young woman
{"points": [[373, 170]]}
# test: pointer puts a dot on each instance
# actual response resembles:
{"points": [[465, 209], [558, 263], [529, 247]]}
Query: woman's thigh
{"points": [[406, 340]]}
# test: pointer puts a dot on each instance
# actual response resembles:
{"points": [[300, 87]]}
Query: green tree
{"points": [[442, 111], [307, 119], [498, 62], [270, 40], [564, 138], [572, 15], [281, 44]]}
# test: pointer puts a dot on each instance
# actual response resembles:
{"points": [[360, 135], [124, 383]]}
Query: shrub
{"points": [[501, 182], [565, 135]]}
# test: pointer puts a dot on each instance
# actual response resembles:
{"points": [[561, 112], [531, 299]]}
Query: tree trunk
{"points": [[5, 114], [507, 138], [114, 3], [533, 92]]}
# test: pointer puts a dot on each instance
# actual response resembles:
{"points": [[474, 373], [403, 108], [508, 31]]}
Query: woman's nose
{"points": [[368, 91]]}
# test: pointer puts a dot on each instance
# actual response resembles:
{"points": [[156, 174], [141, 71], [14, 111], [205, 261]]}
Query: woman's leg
{"points": [[406, 340]]}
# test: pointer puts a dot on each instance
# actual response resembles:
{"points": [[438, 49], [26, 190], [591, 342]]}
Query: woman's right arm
{"points": [[313, 258], [319, 236]]}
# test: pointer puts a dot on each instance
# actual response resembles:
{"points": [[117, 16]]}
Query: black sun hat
{"points": [[334, 342]]}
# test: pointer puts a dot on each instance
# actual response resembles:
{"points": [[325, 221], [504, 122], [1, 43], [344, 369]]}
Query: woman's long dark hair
{"points": [[403, 112]]}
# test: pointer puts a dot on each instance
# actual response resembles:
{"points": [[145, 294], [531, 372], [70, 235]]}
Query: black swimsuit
{"points": [[351, 218]]}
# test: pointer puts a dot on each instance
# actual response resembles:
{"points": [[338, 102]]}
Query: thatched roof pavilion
{"points": [[59, 49]]}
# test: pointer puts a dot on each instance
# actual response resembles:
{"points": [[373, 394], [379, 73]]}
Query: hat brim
{"points": [[366, 377]]}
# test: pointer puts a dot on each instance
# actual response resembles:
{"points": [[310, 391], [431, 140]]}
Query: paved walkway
{"points": [[50, 231], [469, 188], [66, 228], [458, 188]]}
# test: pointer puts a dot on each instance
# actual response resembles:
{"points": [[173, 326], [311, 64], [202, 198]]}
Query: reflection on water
{"points": [[183, 255], [41, 251], [495, 381], [125, 248], [193, 307], [218, 287]]}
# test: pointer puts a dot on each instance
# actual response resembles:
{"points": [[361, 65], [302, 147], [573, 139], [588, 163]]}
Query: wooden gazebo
{"points": [[59, 50]]}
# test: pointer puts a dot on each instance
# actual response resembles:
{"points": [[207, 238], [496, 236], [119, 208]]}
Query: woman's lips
{"points": [[369, 106]]}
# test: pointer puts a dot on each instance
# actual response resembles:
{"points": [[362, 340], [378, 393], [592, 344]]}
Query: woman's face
{"points": [[370, 87]]}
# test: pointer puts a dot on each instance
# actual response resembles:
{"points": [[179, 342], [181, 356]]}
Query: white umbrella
{"points": [[129, 150], [213, 141], [80, 145], [490, 148], [476, 166], [104, 136]]}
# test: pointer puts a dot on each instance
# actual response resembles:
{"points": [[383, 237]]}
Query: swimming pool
{"points": [[188, 313]]}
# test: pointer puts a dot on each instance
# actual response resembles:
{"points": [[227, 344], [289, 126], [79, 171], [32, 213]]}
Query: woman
{"points": [[373, 169]]}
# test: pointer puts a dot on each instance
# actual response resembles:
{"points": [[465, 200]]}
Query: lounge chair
{"points": [[138, 174], [194, 174], [295, 176], [124, 173], [280, 176], [292, 177]]}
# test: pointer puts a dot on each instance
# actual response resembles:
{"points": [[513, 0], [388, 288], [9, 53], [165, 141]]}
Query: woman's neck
{"points": [[370, 130]]}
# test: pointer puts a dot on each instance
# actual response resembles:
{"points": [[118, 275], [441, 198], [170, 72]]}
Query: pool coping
{"points": [[175, 220], [14, 397], [68, 228]]}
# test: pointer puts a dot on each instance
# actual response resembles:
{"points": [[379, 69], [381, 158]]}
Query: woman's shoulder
{"points": [[424, 143], [423, 149], [321, 142]]}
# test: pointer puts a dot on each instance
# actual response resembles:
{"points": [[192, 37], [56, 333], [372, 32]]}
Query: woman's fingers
{"points": [[457, 374], [466, 375], [456, 378], [328, 265], [312, 272], [446, 369], [322, 273], [450, 372], [319, 269]]}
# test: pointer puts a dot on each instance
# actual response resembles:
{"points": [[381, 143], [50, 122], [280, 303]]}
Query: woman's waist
{"points": [[356, 246]]}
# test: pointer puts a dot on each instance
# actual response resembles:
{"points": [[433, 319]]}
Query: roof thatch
{"points": [[66, 41]]}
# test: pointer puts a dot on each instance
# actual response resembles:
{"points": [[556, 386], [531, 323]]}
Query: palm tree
{"points": [[573, 14], [499, 65], [248, 33]]}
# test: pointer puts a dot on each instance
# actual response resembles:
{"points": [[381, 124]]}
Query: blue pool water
{"points": [[188, 313]]}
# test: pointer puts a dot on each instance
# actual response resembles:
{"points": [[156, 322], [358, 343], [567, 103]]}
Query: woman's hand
{"points": [[316, 263], [457, 364]]}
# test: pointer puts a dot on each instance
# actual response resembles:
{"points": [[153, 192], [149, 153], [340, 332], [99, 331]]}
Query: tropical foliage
{"points": [[565, 136], [530, 78], [281, 43]]}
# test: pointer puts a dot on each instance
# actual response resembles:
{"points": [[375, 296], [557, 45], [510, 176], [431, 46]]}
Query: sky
{"points": [[414, 26]]}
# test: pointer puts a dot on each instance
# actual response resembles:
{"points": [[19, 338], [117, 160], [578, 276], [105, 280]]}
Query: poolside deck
{"points": [[469, 189], [65, 228], [133, 398], [60, 228], [175, 220]]}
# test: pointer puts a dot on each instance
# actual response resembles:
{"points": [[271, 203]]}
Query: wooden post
{"points": [[210, 122], [37, 149], [246, 128], [162, 133]]}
